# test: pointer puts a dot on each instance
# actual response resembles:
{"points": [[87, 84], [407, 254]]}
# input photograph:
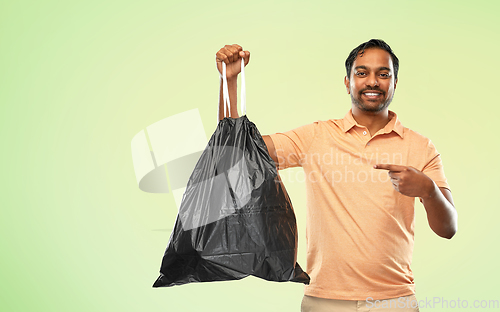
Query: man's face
{"points": [[372, 82]]}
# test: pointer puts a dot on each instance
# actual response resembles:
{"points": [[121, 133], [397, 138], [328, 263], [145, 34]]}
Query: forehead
{"points": [[374, 58]]}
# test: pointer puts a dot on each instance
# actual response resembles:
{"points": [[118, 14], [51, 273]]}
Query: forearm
{"points": [[441, 213], [232, 87]]}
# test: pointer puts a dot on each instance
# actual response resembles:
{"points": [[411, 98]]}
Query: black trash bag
{"points": [[235, 218]]}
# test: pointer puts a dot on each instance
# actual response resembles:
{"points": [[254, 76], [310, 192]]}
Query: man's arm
{"points": [[438, 202], [441, 213], [231, 55]]}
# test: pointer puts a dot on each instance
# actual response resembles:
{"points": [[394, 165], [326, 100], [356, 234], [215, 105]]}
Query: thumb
{"points": [[246, 56]]}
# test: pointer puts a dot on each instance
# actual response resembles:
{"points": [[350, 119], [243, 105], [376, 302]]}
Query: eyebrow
{"points": [[364, 67]]}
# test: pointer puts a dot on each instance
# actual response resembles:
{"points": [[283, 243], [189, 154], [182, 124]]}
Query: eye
{"points": [[385, 75], [360, 74]]}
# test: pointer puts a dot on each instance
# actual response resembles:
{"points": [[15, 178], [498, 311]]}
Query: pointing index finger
{"points": [[390, 167]]}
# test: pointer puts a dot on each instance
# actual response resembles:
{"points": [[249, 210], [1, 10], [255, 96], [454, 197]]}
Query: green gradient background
{"points": [[79, 79]]}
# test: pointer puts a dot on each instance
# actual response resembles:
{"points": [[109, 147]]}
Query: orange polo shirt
{"points": [[359, 229]]}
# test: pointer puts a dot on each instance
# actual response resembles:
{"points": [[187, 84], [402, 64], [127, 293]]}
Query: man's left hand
{"points": [[408, 180]]}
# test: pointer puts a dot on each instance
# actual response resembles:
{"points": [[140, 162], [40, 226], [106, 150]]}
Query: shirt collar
{"points": [[393, 125]]}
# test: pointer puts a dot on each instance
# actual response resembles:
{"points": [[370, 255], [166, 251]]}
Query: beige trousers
{"points": [[401, 304]]}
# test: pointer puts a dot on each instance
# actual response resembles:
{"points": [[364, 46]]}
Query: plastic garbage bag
{"points": [[236, 218]]}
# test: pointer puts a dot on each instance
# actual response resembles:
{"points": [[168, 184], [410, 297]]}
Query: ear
{"points": [[346, 82], [395, 83]]}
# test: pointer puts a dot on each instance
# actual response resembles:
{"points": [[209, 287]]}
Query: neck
{"points": [[374, 121]]}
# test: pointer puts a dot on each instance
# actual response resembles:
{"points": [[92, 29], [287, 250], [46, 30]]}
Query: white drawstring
{"points": [[225, 90], [243, 89]]}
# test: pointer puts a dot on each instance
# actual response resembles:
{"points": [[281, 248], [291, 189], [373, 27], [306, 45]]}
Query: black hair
{"points": [[373, 43]]}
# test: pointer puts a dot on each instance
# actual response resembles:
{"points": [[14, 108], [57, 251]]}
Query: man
{"points": [[363, 173]]}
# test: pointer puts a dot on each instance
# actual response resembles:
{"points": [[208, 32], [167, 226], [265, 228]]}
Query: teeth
{"points": [[371, 94]]}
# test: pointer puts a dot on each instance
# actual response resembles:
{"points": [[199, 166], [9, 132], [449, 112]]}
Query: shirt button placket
{"points": [[366, 138]]}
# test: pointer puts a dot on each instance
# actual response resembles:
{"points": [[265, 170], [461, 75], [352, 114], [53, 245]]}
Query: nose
{"points": [[372, 81]]}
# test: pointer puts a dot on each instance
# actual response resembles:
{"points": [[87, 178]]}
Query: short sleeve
{"points": [[434, 167], [292, 146]]}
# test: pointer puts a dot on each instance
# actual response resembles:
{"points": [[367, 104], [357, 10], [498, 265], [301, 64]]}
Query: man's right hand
{"points": [[232, 55]]}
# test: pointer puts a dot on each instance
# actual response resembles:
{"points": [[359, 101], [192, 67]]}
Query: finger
{"points": [[395, 184], [234, 53], [395, 174], [226, 50], [238, 47], [222, 56], [396, 168], [246, 56], [239, 51]]}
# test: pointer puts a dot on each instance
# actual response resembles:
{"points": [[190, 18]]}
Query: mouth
{"points": [[372, 94]]}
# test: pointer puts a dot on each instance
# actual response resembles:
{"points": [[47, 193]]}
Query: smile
{"points": [[372, 95]]}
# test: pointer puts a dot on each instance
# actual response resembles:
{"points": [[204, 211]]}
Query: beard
{"points": [[363, 105]]}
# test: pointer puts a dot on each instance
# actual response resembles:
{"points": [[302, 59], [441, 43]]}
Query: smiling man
{"points": [[363, 173]]}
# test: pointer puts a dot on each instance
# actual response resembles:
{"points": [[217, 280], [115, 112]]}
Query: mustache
{"points": [[371, 89]]}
